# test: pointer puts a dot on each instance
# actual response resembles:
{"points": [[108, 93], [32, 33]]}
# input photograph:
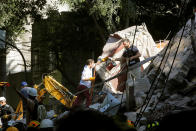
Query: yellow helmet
{"points": [[33, 123], [12, 128]]}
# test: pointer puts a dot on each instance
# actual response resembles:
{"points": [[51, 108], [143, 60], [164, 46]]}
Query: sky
{"points": [[59, 6]]}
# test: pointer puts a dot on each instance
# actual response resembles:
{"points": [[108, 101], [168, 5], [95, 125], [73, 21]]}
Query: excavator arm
{"points": [[58, 91], [55, 89]]}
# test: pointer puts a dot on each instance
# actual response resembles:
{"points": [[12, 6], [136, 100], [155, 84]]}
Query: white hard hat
{"points": [[2, 98], [32, 92], [46, 123]]}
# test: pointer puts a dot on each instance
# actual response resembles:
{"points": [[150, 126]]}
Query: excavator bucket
{"points": [[59, 91]]}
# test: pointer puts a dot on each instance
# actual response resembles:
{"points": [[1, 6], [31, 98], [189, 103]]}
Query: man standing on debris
{"points": [[6, 112], [85, 82], [131, 55]]}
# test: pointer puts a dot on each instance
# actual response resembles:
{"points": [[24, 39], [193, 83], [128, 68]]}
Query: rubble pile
{"points": [[178, 94]]}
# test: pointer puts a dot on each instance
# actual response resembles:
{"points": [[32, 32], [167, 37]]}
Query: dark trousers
{"points": [[82, 96]]}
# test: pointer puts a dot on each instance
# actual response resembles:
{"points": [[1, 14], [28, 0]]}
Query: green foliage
{"points": [[105, 11], [14, 13], [114, 15], [108, 11]]}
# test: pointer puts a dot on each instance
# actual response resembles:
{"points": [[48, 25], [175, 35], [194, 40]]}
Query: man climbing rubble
{"points": [[6, 112], [85, 82], [131, 55]]}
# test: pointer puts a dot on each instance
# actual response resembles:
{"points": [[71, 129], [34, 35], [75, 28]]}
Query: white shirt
{"points": [[86, 74]]}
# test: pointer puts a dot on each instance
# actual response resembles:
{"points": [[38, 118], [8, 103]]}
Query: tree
{"points": [[14, 14], [105, 14], [113, 15]]}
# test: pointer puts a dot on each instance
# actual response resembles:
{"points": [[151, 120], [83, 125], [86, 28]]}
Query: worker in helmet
{"points": [[12, 128], [32, 104], [85, 82], [24, 90], [6, 112]]}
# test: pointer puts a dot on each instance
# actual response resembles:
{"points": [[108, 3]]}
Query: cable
{"points": [[170, 67], [141, 112], [151, 87]]}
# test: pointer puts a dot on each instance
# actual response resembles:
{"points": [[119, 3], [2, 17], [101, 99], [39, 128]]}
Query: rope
{"points": [[135, 29], [91, 92], [151, 87], [170, 67]]}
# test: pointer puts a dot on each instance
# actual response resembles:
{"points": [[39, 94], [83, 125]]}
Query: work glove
{"points": [[92, 78], [104, 59]]}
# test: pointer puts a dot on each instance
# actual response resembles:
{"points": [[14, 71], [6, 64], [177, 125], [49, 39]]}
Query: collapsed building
{"points": [[173, 70], [114, 48], [141, 38]]}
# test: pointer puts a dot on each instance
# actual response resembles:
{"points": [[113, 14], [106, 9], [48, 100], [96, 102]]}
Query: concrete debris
{"points": [[114, 48], [180, 77], [109, 106]]}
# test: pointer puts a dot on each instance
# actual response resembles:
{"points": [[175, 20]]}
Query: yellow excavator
{"points": [[55, 89]]}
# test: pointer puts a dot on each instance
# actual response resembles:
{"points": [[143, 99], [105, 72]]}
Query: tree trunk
{"points": [[2, 69], [193, 32]]}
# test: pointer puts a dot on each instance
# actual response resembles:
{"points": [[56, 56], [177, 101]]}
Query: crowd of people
{"points": [[77, 118], [33, 111]]}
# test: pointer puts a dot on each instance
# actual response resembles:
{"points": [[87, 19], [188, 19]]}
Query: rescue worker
{"points": [[6, 113], [85, 82], [24, 90], [131, 55], [12, 128], [32, 104]]}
